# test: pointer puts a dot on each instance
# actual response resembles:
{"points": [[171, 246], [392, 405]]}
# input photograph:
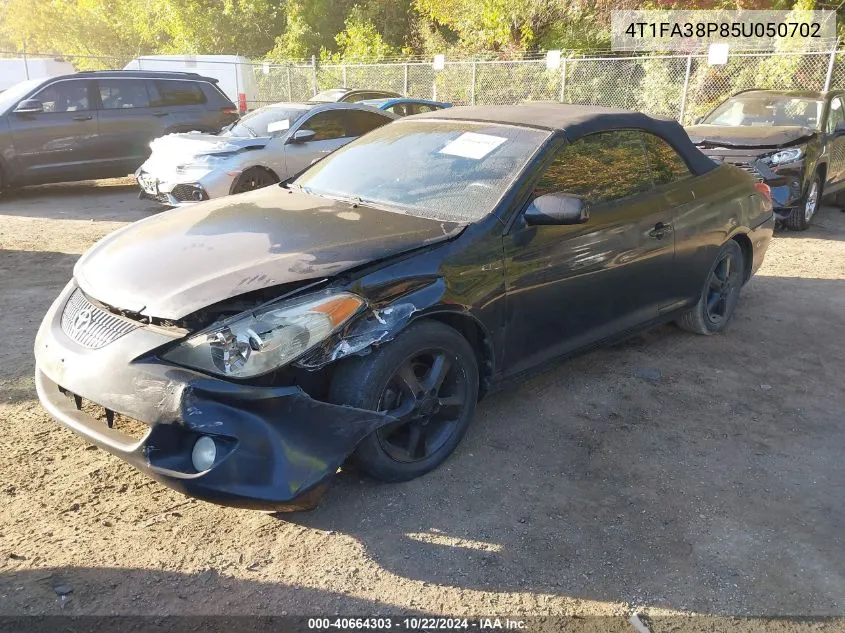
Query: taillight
{"points": [[242, 102], [228, 110], [764, 190]]}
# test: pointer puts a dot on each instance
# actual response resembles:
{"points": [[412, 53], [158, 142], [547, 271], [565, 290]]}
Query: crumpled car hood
{"points": [[748, 136], [179, 261], [177, 149]]}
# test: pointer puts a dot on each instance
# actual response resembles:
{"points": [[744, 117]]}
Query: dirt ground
{"points": [[672, 473]]}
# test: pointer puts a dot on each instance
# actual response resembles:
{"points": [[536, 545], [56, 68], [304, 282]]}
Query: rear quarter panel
{"points": [[709, 210]]}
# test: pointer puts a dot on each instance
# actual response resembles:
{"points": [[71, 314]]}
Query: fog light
{"points": [[204, 453]]}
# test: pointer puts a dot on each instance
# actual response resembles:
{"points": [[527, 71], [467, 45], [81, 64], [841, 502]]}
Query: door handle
{"points": [[83, 117], [660, 230], [160, 113]]}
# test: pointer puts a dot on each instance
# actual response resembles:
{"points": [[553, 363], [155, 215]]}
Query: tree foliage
{"points": [[348, 30]]}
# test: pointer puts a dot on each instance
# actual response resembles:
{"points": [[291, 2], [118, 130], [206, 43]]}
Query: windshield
{"points": [[11, 96], [446, 170], [265, 121], [759, 109], [335, 94]]}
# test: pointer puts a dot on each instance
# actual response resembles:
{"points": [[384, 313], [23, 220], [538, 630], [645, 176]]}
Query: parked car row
{"points": [[105, 124]]}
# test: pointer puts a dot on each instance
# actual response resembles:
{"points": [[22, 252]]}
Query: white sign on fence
{"points": [[717, 54], [439, 62], [553, 60]]}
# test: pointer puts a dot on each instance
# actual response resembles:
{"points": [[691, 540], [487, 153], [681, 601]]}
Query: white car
{"points": [[266, 146]]}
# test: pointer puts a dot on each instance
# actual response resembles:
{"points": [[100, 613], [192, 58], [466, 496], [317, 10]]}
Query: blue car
{"points": [[403, 106]]}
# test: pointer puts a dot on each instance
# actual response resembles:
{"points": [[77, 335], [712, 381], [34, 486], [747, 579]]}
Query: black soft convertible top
{"points": [[576, 121]]}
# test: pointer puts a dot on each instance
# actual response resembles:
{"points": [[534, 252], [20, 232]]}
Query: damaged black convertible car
{"points": [[244, 349]]}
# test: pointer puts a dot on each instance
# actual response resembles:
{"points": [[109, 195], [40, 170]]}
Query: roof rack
{"points": [[180, 73]]}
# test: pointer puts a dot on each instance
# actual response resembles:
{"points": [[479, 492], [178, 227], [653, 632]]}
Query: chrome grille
{"points": [[90, 325], [749, 169]]}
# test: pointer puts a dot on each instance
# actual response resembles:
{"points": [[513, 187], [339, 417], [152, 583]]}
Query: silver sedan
{"points": [[266, 146]]}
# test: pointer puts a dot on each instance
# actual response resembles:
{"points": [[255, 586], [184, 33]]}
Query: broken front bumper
{"points": [[276, 446]]}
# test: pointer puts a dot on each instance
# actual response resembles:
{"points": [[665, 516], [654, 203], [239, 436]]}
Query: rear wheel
{"points": [[426, 378], [720, 293], [254, 178], [799, 219]]}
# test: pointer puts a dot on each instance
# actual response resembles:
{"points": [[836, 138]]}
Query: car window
{"points": [[326, 125], [355, 97], [266, 121], [836, 115], [766, 108], [402, 109], [424, 107], [64, 96], [116, 94], [666, 164], [175, 93], [601, 167], [360, 122], [446, 170]]}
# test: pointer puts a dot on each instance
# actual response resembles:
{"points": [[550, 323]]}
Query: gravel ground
{"points": [[671, 473]]}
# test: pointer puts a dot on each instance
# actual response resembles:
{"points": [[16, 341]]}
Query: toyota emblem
{"points": [[81, 321]]}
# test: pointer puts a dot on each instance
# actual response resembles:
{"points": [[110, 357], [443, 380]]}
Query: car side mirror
{"points": [[302, 136], [29, 106], [697, 120], [556, 208]]}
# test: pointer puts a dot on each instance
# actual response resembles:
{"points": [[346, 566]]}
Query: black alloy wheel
{"points": [[720, 294], [427, 379], [427, 395], [723, 286]]}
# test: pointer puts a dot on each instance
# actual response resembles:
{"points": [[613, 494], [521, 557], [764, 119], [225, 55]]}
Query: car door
{"points": [[60, 143], [571, 286], [330, 132], [127, 123], [836, 145]]}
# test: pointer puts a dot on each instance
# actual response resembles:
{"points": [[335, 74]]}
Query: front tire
{"points": [[720, 293], [799, 219], [254, 178], [427, 378]]}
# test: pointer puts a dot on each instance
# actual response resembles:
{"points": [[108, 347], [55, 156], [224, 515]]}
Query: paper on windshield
{"points": [[472, 145], [278, 126]]}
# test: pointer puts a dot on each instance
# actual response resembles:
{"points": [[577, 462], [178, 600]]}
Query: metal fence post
{"points": [[829, 75], [25, 63], [290, 88], [405, 84], [343, 67], [314, 85], [563, 80], [686, 87], [472, 88]]}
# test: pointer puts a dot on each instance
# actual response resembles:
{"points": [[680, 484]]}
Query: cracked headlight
{"points": [[785, 156], [267, 338]]}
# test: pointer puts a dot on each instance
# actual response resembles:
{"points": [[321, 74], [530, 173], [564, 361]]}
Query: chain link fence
{"points": [[683, 87]]}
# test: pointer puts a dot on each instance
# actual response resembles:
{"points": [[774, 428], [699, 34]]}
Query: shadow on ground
{"points": [[709, 487]]}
